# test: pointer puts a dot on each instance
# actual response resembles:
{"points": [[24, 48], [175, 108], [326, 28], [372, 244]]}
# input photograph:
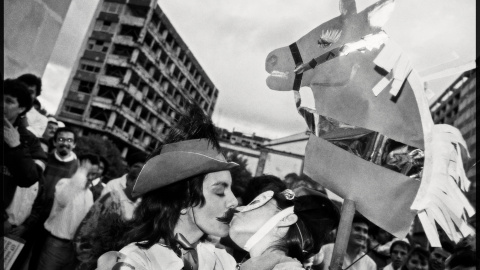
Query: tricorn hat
{"points": [[178, 161]]}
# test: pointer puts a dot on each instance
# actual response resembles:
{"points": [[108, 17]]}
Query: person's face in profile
{"points": [[252, 217], [219, 199]]}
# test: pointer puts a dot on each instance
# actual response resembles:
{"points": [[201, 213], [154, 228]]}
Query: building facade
{"points": [[133, 76], [457, 106], [247, 146], [31, 29]]}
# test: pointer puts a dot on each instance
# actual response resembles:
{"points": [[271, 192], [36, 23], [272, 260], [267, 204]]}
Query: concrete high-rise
{"points": [[134, 74]]}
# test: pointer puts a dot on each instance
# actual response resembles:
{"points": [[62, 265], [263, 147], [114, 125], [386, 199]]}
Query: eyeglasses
{"points": [[69, 140]]}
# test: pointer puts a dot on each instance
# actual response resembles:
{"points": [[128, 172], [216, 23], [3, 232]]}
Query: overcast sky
{"points": [[231, 40]]}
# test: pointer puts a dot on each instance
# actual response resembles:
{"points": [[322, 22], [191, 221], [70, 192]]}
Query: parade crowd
{"points": [[69, 214]]}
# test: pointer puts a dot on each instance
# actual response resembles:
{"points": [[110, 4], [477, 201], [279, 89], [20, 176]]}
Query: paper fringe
{"points": [[443, 202]]}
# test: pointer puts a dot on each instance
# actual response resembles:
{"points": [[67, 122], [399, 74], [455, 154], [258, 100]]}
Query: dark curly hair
{"points": [[18, 90], [32, 80]]}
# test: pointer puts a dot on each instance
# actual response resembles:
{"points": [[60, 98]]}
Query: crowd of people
{"points": [[175, 209]]}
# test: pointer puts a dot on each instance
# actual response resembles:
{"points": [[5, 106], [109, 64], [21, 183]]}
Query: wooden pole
{"points": [[343, 234]]}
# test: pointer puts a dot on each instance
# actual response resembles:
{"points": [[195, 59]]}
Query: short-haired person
{"points": [[438, 255], [23, 165], [37, 122], [255, 187], [134, 160], [354, 256], [290, 179], [380, 242], [398, 254], [281, 227], [24, 158], [97, 184], [62, 163], [72, 201], [97, 234], [262, 183], [47, 137], [417, 259]]}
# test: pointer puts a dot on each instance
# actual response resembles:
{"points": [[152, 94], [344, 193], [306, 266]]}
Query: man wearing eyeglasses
{"points": [[62, 163]]}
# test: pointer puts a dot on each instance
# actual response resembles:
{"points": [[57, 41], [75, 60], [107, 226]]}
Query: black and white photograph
{"points": [[239, 135]]}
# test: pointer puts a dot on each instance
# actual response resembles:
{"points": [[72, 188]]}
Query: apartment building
{"points": [[133, 77]]}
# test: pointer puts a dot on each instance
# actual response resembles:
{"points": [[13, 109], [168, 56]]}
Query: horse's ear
{"points": [[348, 7], [379, 13]]}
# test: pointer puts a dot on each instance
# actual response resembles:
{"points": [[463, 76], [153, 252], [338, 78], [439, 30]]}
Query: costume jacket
{"points": [[22, 164], [160, 257]]}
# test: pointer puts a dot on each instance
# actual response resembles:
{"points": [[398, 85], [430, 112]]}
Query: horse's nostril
{"points": [[272, 60]]}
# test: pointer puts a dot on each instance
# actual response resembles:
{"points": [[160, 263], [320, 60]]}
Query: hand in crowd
{"points": [[10, 134], [18, 231], [7, 227], [85, 165]]}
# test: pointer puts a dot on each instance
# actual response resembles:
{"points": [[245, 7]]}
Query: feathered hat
{"points": [[191, 149]]}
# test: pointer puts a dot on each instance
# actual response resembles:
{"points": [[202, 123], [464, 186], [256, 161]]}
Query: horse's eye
{"points": [[324, 43], [329, 37]]}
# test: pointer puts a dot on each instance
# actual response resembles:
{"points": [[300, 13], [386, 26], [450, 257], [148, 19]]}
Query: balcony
{"points": [[102, 102], [127, 111], [96, 124], [131, 20], [109, 80], [132, 90], [120, 133], [117, 60], [124, 40]]}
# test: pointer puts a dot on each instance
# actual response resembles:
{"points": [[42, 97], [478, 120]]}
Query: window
{"points": [[98, 45], [112, 7], [104, 26], [74, 110], [89, 68], [85, 87]]}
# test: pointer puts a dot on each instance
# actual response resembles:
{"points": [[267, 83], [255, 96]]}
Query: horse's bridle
{"points": [[365, 43], [300, 67]]}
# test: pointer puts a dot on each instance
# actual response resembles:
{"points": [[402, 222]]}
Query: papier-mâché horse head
{"points": [[373, 140], [345, 73]]}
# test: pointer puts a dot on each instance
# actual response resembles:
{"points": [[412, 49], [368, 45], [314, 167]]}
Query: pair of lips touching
{"points": [[228, 216]]}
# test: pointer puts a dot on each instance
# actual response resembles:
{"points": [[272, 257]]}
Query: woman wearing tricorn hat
{"points": [[186, 195], [280, 225]]}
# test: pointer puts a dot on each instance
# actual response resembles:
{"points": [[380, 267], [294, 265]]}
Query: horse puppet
{"points": [[372, 138]]}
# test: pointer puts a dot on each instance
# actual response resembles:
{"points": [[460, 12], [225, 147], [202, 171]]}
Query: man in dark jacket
{"points": [[25, 159]]}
